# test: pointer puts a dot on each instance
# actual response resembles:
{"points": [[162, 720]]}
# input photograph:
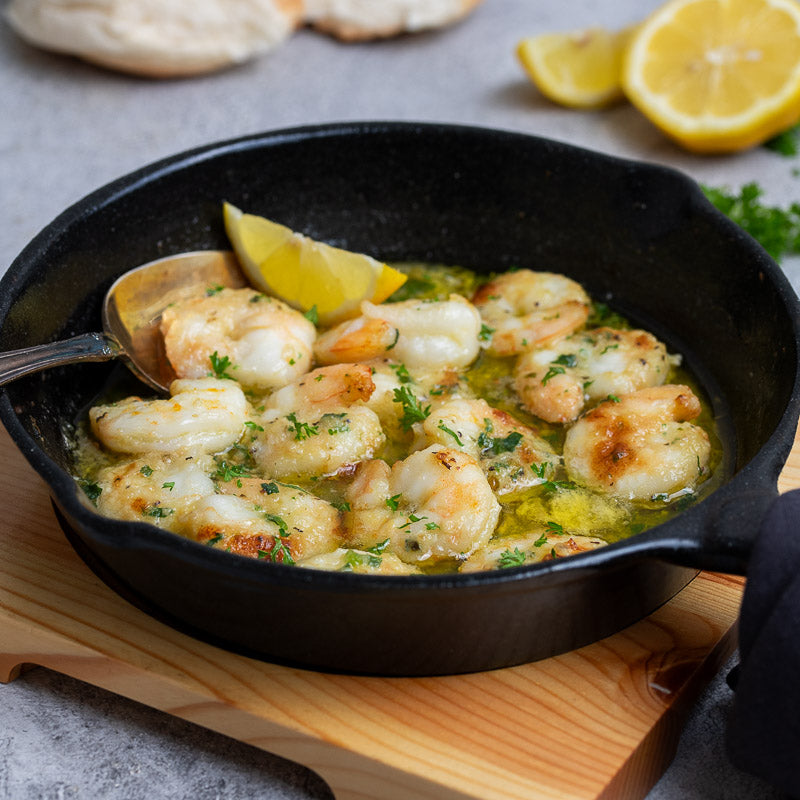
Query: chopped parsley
{"points": [[227, 472], [539, 469], [499, 444], [555, 369], [486, 333], [450, 432], [301, 430], [541, 540], [412, 518], [777, 229], [159, 512], [312, 315], [146, 470], [270, 488], [219, 366], [566, 360], [602, 316], [393, 502], [168, 485], [279, 550], [335, 423], [554, 527], [554, 486], [215, 539], [254, 426], [413, 410], [402, 373], [510, 558], [785, 143], [212, 290], [91, 490]]}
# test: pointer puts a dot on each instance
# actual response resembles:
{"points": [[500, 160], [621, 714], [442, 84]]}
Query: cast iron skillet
{"points": [[640, 237]]}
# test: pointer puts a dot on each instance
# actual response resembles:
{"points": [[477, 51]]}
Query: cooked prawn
{"points": [[530, 548], [266, 343], [374, 562], [640, 447], [555, 381], [205, 415], [423, 335], [524, 309], [159, 489], [434, 505], [265, 519], [512, 455], [319, 424]]}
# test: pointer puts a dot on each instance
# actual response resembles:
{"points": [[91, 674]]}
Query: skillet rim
{"points": [[679, 536]]}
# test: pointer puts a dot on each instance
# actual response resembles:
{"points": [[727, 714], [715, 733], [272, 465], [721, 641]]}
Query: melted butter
{"points": [[578, 511]]}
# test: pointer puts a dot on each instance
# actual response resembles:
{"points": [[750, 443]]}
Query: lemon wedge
{"points": [[581, 69], [717, 75], [306, 273]]}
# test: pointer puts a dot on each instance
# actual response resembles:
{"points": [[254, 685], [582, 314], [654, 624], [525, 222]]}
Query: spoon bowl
{"points": [[131, 315]]}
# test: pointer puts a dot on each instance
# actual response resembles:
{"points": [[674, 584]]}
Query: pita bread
{"points": [[355, 20], [157, 38]]}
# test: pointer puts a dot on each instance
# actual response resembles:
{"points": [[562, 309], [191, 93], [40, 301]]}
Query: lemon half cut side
{"points": [[306, 273], [717, 75]]}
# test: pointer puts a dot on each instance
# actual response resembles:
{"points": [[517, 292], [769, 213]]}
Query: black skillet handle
{"points": [[722, 538]]}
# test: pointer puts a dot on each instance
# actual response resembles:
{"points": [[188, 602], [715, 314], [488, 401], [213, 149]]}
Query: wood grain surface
{"points": [[599, 722]]}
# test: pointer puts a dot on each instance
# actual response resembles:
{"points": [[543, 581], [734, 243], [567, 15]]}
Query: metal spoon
{"points": [[132, 311]]}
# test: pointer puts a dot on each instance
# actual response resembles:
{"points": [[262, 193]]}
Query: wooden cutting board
{"points": [[599, 722]]}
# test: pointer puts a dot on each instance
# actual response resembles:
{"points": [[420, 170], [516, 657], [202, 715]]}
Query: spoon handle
{"points": [[86, 347]]}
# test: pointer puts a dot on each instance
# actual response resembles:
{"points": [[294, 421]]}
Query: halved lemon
{"points": [[306, 273], [717, 75], [580, 69]]}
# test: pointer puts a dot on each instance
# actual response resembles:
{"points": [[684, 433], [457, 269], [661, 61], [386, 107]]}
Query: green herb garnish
{"points": [[785, 143], [158, 512], [566, 360], [486, 333], [777, 229], [301, 430], [402, 373], [393, 502], [312, 315], [552, 372], [511, 559], [219, 366], [442, 427], [554, 527], [500, 444], [91, 490], [413, 410], [227, 472]]}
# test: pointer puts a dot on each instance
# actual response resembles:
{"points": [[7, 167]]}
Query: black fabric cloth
{"points": [[763, 736]]}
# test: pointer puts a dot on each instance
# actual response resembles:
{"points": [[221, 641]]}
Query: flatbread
{"points": [[357, 20], [157, 38]]}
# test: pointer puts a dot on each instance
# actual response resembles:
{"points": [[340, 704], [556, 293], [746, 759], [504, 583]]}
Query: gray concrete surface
{"points": [[68, 127]]}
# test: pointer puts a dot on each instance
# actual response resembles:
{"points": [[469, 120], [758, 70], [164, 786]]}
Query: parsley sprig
{"points": [[777, 229]]}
